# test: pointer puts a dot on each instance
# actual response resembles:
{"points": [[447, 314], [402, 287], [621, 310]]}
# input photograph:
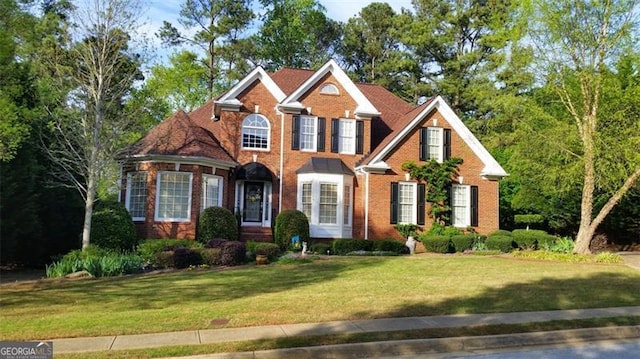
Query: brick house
{"points": [[308, 140]]}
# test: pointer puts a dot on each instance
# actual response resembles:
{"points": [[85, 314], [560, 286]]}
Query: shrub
{"points": [[462, 242], [438, 229], [217, 222], [529, 239], [233, 253], [321, 248], [98, 262], [436, 244], [291, 223], [545, 243], [499, 232], [150, 249], [215, 243], [184, 257], [504, 244], [343, 246], [390, 245], [271, 250], [163, 259], [112, 227], [562, 245], [211, 256]]}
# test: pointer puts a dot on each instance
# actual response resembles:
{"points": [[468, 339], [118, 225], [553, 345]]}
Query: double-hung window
{"points": [[347, 137], [326, 200], [255, 132], [136, 199], [464, 205], [435, 144], [211, 191], [308, 133], [173, 196], [328, 203], [307, 199], [407, 203]]}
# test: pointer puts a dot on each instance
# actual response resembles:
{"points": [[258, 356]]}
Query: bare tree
{"points": [[98, 75]]}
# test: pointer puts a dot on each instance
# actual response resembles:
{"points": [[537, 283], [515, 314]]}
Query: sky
{"points": [[168, 10]]}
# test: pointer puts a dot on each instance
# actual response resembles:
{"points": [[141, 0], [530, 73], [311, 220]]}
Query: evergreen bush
{"points": [[291, 223], [233, 253], [185, 257], [390, 245], [211, 256], [321, 248], [436, 244], [463, 242], [529, 239], [499, 232], [150, 249], [504, 244], [112, 227], [344, 246], [271, 250], [217, 222]]}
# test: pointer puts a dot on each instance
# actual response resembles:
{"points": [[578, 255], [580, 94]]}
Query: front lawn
{"points": [[335, 288]]}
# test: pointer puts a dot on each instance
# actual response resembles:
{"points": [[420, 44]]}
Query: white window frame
{"points": [[466, 207], [249, 127], [347, 140], [413, 202], [335, 205], [129, 200], [205, 191], [339, 229], [160, 218], [314, 136], [346, 205], [306, 199], [435, 141], [329, 89]]}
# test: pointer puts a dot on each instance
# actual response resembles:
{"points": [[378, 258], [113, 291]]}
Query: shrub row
{"points": [[450, 243], [346, 246], [271, 250], [182, 253]]}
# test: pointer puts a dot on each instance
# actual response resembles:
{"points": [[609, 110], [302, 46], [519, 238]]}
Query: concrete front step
{"points": [[260, 234]]}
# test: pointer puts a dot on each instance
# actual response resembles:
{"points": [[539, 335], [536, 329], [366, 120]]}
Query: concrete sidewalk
{"points": [[209, 336]]}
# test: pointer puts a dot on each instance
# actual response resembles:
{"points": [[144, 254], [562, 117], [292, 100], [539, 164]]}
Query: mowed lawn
{"points": [[332, 288]]}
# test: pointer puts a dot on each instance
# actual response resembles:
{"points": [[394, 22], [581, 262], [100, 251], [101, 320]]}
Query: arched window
{"points": [[255, 132], [329, 89]]}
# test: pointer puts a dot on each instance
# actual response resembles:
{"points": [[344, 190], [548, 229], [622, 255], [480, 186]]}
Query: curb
{"points": [[436, 346]]}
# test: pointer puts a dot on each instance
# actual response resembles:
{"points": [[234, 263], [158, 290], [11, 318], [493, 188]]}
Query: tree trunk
{"points": [[586, 231], [88, 214]]}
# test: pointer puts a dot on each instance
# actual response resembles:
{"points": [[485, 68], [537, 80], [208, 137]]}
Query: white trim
{"points": [[186, 160], [230, 97], [467, 222], [491, 170], [268, 148], [364, 107], [414, 202], [127, 194], [314, 147], [326, 230], [157, 218], [440, 136], [351, 122], [204, 193]]}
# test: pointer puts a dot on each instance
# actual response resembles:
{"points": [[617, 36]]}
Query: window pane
{"points": [[255, 132], [306, 199], [210, 191], [173, 195], [460, 206], [434, 143], [308, 133], [346, 199], [347, 137], [328, 203], [406, 202], [137, 195]]}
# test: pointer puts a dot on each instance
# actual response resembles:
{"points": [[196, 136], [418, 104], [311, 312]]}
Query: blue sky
{"points": [[340, 10]]}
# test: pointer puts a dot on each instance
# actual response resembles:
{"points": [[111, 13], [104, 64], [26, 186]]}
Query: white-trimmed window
{"points": [[328, 203], [136, 196], [434, 143], [407, 202], [460, 206], [211, 191], [173, 196], [307, 199], [346, 202], [347, 137], [255, 132], [329, 89], [308, 133]]}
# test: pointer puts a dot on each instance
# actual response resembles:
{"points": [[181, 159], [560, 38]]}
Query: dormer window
{"points": [[329, 89], [255, 132]]}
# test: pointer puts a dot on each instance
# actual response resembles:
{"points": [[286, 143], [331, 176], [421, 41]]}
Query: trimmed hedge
{"points": [[185, 257], [233, 253], [390, 245], [504, 244], [437, 244], [321, 248], [499, 232], [215, 243], [530, 239], [151, 249], [217, 222], [271, 250], [290, 223], [344, 246], [463, 242], [112, 227], [211, 256]]}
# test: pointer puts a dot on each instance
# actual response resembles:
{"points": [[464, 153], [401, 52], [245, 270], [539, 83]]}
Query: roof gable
{"points": [[405, 125], [364, 107], [230, 98]]}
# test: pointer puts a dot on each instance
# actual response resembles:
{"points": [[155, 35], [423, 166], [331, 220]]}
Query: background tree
{"points": [[100, 72], [295, 33], [218, 28], [577, 42]]}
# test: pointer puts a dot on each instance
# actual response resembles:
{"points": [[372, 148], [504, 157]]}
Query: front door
{"points": [[253, 200]]}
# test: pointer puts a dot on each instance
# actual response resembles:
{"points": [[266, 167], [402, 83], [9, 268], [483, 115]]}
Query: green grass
{"points": [[338, 288]]}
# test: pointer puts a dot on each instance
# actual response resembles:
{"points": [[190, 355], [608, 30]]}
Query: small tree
{"points": [[217, 222], [528, 219]]}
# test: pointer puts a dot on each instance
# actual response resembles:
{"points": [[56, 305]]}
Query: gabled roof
{"points": [[230, 98], [364, 107], [180, 136], [289, 79], [404, 125]]}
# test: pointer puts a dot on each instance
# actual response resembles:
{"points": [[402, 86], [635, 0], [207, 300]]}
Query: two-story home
{"points": [[308, 140]]}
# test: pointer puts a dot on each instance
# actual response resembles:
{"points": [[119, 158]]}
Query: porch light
{"points": [[460, 179]]}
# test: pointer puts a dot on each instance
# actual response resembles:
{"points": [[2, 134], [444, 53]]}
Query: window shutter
{"points": [[423, 144], [394, 203], [335, 134], [447, 202], [421, 204], [359, 137], [295, 133], [474, 206], [321, 131], [446, 144]]}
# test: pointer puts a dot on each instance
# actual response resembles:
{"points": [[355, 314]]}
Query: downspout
{"points": [[366, 204], [281, 167]]}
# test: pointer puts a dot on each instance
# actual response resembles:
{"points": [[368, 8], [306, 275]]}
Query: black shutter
{"points": [[394, 202], [474, 206], [421, 204], [295, 133], [447, 202], [359, 137], [322, 124], [424, 153], [335, 134], [446, 144]]}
